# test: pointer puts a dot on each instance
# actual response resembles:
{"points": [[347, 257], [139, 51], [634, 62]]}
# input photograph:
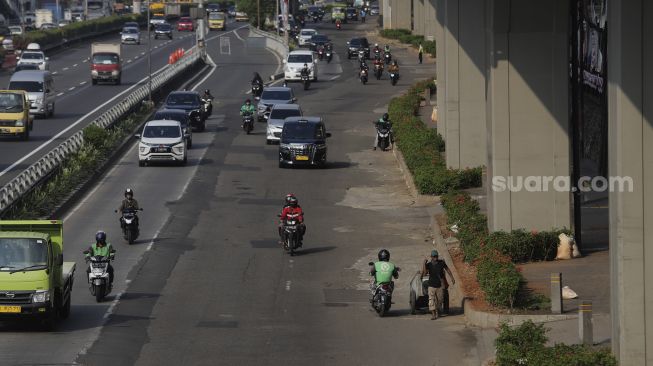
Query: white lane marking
{"points": [[207, 75], [75, 65], [334, 77], [143, 53], [113, 305], [82, 83], [129, 61], [288, 285], [72, 125], [71, 88], [60, 94], [65, 69], [55, 72], [225, 43], [225, 33], [85, 61], [239, 37]]}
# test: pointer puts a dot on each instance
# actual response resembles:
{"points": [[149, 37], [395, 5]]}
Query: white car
{"points": [[33, 57], [305, 36], [130, 35], [277, 118], [16, 30], [162, 140], [295, 63]]}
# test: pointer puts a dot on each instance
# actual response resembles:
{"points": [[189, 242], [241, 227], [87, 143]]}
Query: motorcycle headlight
{"points": [[19, 123], [114, 73], [41, 296]]}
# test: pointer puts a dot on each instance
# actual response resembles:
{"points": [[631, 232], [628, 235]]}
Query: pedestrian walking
{"points": [[437, 281], [420, 52]]}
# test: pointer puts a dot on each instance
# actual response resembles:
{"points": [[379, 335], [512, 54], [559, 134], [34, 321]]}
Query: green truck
{"points": [[35, 282]]}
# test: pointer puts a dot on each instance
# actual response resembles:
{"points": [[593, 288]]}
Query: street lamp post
{"points": [[149, 56]]}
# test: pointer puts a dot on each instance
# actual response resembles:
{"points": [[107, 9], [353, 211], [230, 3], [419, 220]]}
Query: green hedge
{"points": [[422, 147], [526, 345], [74, 30], [405, 36]]}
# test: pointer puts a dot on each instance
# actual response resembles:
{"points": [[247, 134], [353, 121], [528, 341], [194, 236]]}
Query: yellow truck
{"points": [[35, 282], [217, 20], [14, 114]]}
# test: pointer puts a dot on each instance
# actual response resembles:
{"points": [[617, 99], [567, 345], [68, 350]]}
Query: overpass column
{"points": [[527, 112], [440, 65], [419, 17], [430, 21], [630, 120]]}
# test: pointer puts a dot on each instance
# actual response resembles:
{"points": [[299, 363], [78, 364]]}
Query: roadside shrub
{"points": [[498, 277], [96, 136], [526, 345], [405, 36], [522, 246]]}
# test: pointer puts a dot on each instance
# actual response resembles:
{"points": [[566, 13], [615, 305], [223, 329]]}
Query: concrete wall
{"points": [[430, 20], [400, 14], [630, 120], [419, 19], [440, 65], [386, 13], [527, 110], [462, 52]]}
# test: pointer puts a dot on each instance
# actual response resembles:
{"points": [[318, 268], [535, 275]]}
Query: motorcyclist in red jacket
{"points": [[290, 209]]}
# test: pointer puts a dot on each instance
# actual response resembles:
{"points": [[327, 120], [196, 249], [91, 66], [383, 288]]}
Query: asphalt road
{"points": [[208, 284], [78, 102], [155, 187]]}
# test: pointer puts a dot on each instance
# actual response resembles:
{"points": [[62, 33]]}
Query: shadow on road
{"points": [[309, 251]]}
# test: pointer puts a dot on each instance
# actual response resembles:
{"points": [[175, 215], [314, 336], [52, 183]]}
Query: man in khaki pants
{"points": [[437, 280]]}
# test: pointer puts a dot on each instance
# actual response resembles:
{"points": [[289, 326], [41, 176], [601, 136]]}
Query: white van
{"points": [[39, 86], [295, 63]]}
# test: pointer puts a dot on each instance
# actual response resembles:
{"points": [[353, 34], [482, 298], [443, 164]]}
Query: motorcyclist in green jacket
{"points": [[247, 109], [384, 270], [101, 248]]}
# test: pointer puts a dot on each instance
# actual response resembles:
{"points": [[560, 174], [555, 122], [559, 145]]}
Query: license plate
{"points": [[161, 150], [301, 157], [10, 309], [5, 130]]}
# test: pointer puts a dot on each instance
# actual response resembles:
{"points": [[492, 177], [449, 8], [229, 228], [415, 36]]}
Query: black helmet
{"points": [[289, 196], [386, 117], [248, 101], [384, 255], [292, 201], [101, 237], [129, 192], [207, 91]]}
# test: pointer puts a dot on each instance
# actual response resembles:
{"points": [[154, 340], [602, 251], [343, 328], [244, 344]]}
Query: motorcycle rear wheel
{"points": [[130, 236], [99, 293]]}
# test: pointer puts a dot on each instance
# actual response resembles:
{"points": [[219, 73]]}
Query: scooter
{"points": [[388, 58], [329, 55], [378, 71], [208, 106], [320, 53], [248, 123], [291, 234], [381, 293], [129, 225], [393, 78], [306, 81], [338, 25], [99, 280], [383, 137], [363, 76], [256, 90]]}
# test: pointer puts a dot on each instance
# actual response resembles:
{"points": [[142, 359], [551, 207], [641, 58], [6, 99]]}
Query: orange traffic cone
{"points": [[171, 59]]}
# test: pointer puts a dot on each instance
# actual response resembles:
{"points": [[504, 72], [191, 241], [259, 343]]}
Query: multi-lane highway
{"points": [[207, 283]]}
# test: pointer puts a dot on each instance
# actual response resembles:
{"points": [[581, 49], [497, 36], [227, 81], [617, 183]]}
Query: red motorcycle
{"points": [[338, 24]]}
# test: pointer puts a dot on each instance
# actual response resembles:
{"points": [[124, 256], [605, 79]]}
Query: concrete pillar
{"points": [[527, 112], [386, 13], [440, 66], [430, 21], [630, 119], [419, 20], [464, 54], [401, 16]]}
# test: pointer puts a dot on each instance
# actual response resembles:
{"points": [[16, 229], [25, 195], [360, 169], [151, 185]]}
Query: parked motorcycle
{"points": [[248, 122], [363, 76], [306, 80], [383, 136], [129, 225], [393, 78], [291, 234], [99, 281]]}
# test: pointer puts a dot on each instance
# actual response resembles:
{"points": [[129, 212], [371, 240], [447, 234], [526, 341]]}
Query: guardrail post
{"points": [[556, 293], [585, 326]]}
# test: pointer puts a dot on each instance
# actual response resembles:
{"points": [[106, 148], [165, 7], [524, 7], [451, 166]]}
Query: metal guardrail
{"points": [[36, 172]]}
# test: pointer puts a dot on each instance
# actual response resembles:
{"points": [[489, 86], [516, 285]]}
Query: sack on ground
{"points": [[564, 247], [568, 294]]}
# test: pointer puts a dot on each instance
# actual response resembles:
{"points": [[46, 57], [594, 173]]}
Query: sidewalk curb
{"points": [[473, 317]]}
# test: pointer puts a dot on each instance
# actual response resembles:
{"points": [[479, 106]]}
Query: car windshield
{"points": [[308, 33], [355, 42], [184, 20], [300, 131], [320, 39], [216, 16], [284, 113], [179, 117], [130, 30], [182, 99], [276, 95], [31, 56], [300, 59], [163, 27], [23, 253], [351, 11], [28, 86], [105, 58], [11, 102], [158, 17], [162, 132]]}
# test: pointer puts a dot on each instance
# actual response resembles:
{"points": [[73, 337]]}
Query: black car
{"points": [[319, 40], [355, 45], [303, 142], [177, 115], [351, 14], [163, 30], [191, 103]]}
